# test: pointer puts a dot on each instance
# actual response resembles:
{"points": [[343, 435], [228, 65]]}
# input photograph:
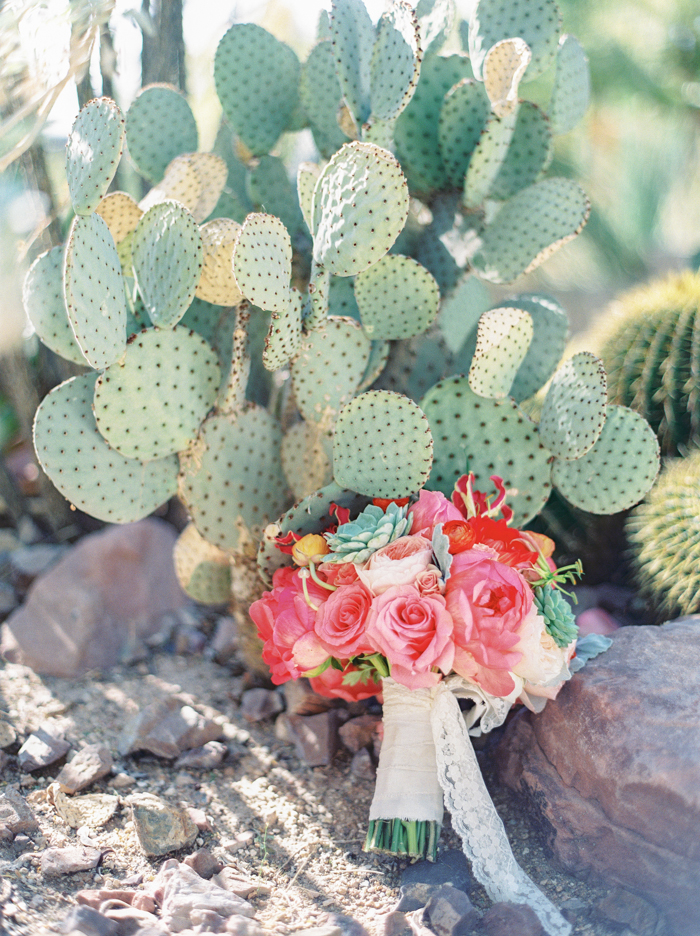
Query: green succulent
{"points": [[555, 609], [357, 540]]}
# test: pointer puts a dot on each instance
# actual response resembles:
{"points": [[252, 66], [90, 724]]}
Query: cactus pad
{"points": [[330, 364], [436, 18], [538, 25], [503, 338], [321, 98], [529, 228], [93, 152], [42, 296], [464, 114], [272, 192], [574, 409], [159, 126], [529, 152], [262, 262], [284, 334], [89, 473], [461, 311], [397, 298], [257, 81], [150, 403], [572, 86], [121, 214], [395, 63], [360, 208], [94, 291], [180, 183], [167, 258], [503, 69], [618, 471], [487, 158], [307, 176], [217, 283], [353, 37], [306, 458], [341, 297], [382, 446], [551, 328], [488, 437], [229, 483], [378, 356], [203, 570]]}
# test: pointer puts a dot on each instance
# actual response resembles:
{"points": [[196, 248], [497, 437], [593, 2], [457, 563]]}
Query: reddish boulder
{"points": [[612, 767]]}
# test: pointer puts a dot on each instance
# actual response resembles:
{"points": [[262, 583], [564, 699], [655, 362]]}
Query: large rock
{"points": [[613, 768], [111, 589]]}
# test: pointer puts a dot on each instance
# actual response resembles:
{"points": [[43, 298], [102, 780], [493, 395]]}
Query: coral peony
{"points": [[396, 564], [330, 683], [431, 508], [338, 573], [414, 632], [512, 546], [340, 621]]}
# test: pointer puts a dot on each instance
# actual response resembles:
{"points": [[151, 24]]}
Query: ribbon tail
{"points": [[475, 818]]}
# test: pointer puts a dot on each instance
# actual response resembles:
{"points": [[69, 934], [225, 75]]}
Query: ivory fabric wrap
{"points": [[427, 752]]}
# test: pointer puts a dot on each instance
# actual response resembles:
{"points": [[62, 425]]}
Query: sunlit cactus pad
{"points": [[551, 329], [382, 446], [203, 570], [159, 126], [502, 341], [397, 298], [121, 214], [529, 152], [229, 483], [574, 409], [217, 284], [93, 152], [262, 262], [90, 474], [502, 71], [43, 300], [537, 23], [284, 335], [151, 403]]}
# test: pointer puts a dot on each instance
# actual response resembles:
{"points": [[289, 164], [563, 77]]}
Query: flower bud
{"points": [[310, 548]]}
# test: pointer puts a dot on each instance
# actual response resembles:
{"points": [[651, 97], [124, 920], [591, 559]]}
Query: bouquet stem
{"points": [[411, 839]]}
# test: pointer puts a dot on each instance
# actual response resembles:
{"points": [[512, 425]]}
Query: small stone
{"points": [[204, 863], [231, 880], [200, 819], [414, 896], [8, 735], [16, 818], [189, 640], [41, 749], [58, 861], [186, 897], [450, 868], [450, 912], [359, 732], [95, 898], [302, 700], [361, 765], [224, 643], [396, 924], [90, 764], [622, 907], [207, 757], [505, 919], [259, 704], [166, 729], [315, 736], [160, 827], [89, 922], [91, 809], [122, 781]]}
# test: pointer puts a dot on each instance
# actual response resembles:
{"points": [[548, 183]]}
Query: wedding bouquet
{"points": [[429, 603]]}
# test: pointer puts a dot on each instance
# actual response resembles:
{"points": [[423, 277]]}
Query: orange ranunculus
{"points": [[460, 534]]}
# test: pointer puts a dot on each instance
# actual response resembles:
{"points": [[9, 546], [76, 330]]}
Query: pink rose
{"points": [[283, 617], [488, 601], [414, 632], [396, 564], [431, 508], [430, 582], [330, 683], [338, 573], [340, 621]]}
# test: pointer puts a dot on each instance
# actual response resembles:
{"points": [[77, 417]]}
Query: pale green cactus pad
{"points": [[42, 296], [360, 207], [341, 297], [229, 483], [378, 356], [502, 341], [167, 256], [572, 86], [463, 117], [306, 458], [416, 129], [159, 126], [353, 36], [257, 81], [94, 291], [461, 310], [488, 157], [551, 329], [232, 396], [529, 228], [321, 97], [194, 179], [538, 25], [121, 214], [435, 18], [488, 437], [503, 70], [618, 471], [151, 403], [217, 283], [382, 446], [272, 192], [307, 176], [330, 364], [211, 170], [397, 298], [93, 152], [395, 63], [89, 473], [203, 570], [262, 262], [529, 152], [284, 335], [574, 409]]}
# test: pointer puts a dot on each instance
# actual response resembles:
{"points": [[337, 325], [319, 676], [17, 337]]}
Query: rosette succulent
{"points": [[555, 609], [373, 528]]}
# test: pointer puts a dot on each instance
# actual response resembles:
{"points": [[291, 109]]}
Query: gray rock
{"points": [[8, 735], [450, 868], [415, 895], [166, 729], [56, 862], [200, 818], [41, 748], [160, 827], [631, 910], [315, 736], [449, 912], [348, 925], [505, 919], [302, 700], [231, 880], [204, 863], [241, 926], [358, 733], [396, 924], [16, 817], [259, 704], [112, 586], [185, 896], [361, 765], [207, 757], [90, 764], [89, 922], [224, 643]]}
